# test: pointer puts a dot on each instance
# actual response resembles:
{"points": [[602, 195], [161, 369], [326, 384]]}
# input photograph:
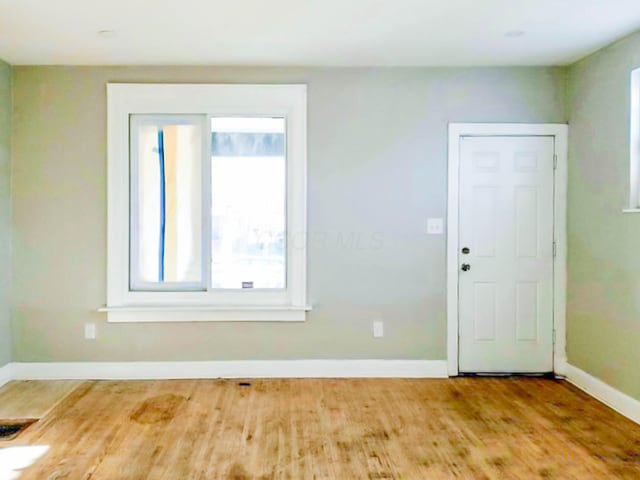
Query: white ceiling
{"points": [[310, 32]]}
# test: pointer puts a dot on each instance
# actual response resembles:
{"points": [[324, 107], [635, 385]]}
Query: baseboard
{"points": [[231, 369], [6, 374], [620, 402]]}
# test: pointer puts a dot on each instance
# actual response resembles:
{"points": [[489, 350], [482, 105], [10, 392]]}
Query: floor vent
{"points": [[10, 429]]}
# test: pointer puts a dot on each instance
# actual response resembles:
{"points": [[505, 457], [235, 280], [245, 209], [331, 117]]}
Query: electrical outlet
{"points": [[378, 329], [90, 331]]}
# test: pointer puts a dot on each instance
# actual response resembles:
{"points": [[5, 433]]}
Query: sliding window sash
{"points": [[139, 252]]}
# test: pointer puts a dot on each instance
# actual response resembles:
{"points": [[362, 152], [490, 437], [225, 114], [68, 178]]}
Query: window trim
{"points": [[634, 144], [123, 100]]}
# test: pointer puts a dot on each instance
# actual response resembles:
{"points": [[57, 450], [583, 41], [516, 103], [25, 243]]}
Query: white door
{"points": [[506, 254]]}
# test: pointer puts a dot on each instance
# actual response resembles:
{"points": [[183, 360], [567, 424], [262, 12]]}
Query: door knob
{"points": [[466, 267]]}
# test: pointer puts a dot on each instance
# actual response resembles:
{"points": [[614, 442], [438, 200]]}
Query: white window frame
{"points": [[634, 144], [124, 100]]}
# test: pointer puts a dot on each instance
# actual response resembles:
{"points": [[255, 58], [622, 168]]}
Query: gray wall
{"points": [[5, 213], [377, 169], [603, 306]]}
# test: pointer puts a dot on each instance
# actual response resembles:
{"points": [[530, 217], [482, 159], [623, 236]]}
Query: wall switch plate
{"points": [[378, 329], [435, 226], [90, 331]]}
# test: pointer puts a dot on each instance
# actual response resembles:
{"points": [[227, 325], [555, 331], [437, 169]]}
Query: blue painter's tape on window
{"points": [[163, 199]]}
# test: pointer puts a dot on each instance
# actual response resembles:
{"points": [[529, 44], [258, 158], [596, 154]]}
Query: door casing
{"points": [[560, 133]]}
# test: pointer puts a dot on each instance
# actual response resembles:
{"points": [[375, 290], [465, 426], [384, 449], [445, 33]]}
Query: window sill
{"points": [[631, 210], [205, 314]]}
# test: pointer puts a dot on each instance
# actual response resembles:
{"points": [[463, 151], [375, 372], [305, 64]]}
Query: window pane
{"points": [[248, 202], [166, 207]]}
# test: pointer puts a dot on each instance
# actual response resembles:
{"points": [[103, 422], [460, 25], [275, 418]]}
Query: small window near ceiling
{"points": [[634, 141]]}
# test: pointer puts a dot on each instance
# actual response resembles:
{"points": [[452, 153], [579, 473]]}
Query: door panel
{"points": [[484, 322], [506, 220]]}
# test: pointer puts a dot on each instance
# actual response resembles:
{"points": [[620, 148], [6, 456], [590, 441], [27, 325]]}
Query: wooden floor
{"points": [[33, 399], [320, 429]]}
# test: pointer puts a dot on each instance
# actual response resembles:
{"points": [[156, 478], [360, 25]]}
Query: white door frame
{"points": [[560, 133]]}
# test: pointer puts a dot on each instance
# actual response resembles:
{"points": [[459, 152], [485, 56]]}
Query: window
{"points": [[634, 142], [207, 202]]}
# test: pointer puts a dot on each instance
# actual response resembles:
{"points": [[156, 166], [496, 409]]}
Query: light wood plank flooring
{"points": [[466, 428], [33, 399]]}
